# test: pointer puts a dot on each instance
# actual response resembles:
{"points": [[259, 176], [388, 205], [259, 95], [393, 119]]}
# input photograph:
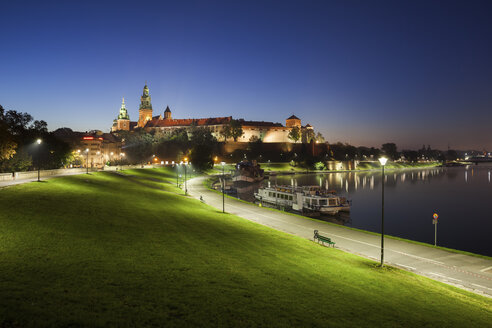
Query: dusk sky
{"points": [[363, 72]]}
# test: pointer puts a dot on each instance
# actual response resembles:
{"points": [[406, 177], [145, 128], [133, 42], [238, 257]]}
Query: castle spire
{"points": [[123, 112], [145, 108], [145, 99]]}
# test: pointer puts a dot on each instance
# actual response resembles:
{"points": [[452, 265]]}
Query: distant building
{"points": [[267, 132], [93, 149]]}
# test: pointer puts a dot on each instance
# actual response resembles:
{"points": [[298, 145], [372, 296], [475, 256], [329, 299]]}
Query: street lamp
{"points": [[177, 175], [87, 160], [185, 165], [39, 141], [223, 187], [383, 161]]}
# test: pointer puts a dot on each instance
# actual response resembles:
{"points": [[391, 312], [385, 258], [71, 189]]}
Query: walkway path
{"points": [[464, 271], [8, 183]]}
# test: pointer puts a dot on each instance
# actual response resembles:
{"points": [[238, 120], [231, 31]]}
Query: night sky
{"points": [[363, 72]]}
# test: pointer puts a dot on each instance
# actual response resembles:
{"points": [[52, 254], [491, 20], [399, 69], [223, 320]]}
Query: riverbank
{"points": [[208, 184], [128, 248], [287, 168]]}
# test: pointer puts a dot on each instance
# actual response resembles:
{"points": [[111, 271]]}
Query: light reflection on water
{"points": [[411, 197]]}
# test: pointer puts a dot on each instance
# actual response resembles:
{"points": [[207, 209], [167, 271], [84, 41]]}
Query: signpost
{"points": [[434, 222]]}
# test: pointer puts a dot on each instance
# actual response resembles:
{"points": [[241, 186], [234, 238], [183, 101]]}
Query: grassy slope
{"points": [[122, 251]]}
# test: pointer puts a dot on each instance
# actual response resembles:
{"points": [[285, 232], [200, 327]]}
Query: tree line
{"points": [[19, 150]]}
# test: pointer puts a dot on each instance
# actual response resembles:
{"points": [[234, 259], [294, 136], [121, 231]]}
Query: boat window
{"points": [[290, 197], [322, 201], [332, 202]]}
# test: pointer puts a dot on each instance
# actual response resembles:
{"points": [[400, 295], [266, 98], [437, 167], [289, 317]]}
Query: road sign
{"points": [[434, 222]]}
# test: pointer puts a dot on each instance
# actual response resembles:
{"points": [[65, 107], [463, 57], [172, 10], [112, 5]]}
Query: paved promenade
{"points": [[8, 183], [464, 271]]}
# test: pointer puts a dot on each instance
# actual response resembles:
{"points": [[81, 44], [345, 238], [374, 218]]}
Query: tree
{"points": [[202, 146], [139, 146], [319, 138], [40, 126], [411, 155], [295, 134], [308, 135], [451, 155], [236, 129], [7, 143], [180, 135], [390, 150], [255, 147], [226, 132], [22, 161], [343, 152]]}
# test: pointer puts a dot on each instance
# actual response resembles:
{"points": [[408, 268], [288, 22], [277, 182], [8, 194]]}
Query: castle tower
{"points": [[167, 114], [145, 109], [123, 120], [293, 121]]}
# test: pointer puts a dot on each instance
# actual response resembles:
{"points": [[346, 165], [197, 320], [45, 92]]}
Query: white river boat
{"points": [[307, 198]]}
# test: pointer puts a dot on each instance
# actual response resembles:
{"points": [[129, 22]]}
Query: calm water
{"points": [[462, 197]]}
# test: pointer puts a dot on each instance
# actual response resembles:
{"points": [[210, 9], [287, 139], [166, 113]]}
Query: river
{"points": [[461, 196]]}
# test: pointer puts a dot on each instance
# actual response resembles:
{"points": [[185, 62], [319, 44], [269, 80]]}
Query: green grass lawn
{"points": [[130, 250]]}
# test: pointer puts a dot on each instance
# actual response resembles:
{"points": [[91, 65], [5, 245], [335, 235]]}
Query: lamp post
{"points": [[38, 141], [177, 176], [223, 187], [185, 165], [87, 160], [383, 161]]}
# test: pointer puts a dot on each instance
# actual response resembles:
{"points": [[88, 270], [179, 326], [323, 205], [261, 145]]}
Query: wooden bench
{"points": [[323, 239]]}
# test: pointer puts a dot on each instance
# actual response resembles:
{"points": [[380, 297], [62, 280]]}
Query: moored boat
{"points": [[248, 172], [307, 198]]}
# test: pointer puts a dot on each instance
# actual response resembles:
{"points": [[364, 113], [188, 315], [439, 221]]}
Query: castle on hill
{"points": [[267, 132]]}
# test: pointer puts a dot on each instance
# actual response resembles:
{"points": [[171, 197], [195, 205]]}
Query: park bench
{"points": [[323, 239]]}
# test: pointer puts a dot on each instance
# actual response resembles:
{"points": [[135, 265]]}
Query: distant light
{"points": [[88, 138], [167, 162], [383, 161], [78, 150], [39, 141], [87, 150], [162, 162], [172, 162], [98, 152], [111, 153], [222, 163]]}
